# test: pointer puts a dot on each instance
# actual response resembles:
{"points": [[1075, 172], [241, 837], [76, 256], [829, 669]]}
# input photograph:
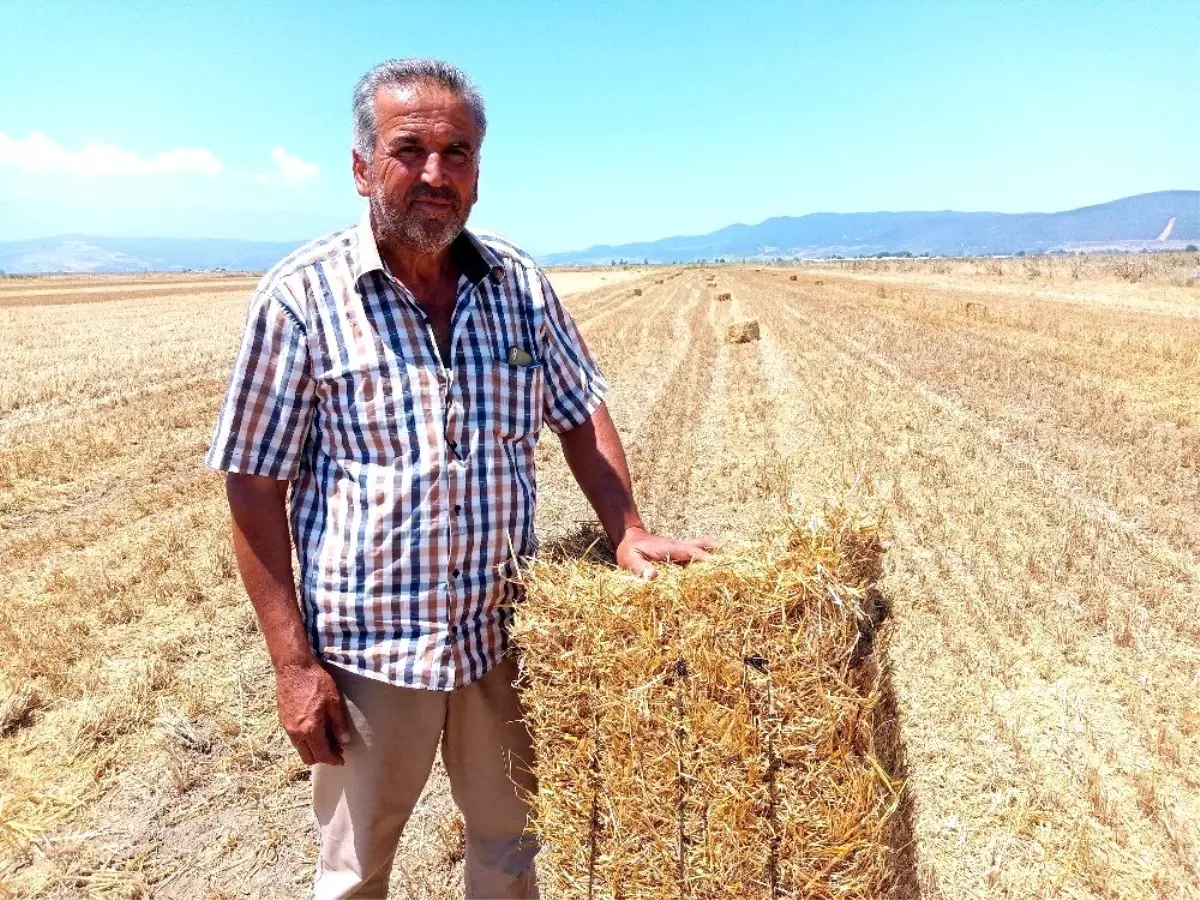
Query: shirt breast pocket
{"points": [[515, 400], [363, 414]]}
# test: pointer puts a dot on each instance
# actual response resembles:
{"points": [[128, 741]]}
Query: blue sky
{"points": [[609, 122]]}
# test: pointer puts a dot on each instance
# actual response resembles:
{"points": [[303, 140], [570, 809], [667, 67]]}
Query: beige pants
{"points": [[362, 807]]}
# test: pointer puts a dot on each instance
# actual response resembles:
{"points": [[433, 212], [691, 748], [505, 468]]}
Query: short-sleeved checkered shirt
{"points": [[413, 486]]}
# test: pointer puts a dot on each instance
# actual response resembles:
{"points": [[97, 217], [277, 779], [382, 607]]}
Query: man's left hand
{"points": [[639, 549]]}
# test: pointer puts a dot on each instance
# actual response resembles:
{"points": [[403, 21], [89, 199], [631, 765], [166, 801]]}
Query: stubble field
{"points": [[1030, 434]]}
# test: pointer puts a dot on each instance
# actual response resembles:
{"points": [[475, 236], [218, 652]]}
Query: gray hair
{"points": [[400, 72]]}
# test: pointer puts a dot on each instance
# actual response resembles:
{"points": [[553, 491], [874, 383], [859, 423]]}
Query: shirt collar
{"points": [[475, 260]]}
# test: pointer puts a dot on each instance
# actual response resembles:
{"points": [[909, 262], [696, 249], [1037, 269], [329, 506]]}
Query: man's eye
{"points": [[408, 152]]}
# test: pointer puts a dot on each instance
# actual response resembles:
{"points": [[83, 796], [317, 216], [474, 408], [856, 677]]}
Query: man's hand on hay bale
{"points": [[639, 549], [312, 713]]}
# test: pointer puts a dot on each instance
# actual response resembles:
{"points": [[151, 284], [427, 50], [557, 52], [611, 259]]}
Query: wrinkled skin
{"points": [[423, 176]]}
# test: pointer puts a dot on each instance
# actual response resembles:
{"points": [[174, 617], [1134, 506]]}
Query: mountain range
{"points": [[1129, 223], [1161, 220], [92, 254]]}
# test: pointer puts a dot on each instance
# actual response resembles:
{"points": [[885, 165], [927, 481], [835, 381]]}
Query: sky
{"points": [[608, 122]]}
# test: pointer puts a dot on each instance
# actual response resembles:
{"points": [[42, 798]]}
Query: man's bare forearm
{"points": [[262, 543], [597, 460]]}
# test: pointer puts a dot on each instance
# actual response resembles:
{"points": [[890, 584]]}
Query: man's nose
{"points": [[433, 173]]}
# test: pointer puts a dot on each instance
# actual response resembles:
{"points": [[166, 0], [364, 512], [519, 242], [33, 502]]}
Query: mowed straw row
{"points": [[711, 732]]}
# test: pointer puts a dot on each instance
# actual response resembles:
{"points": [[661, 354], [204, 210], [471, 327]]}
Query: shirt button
{"points": [[456, 573], [458, 507]]}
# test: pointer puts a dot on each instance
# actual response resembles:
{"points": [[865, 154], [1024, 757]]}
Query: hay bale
{"points": [[711, 733], [724, 296], [793, 278], [637, 292], [741, 332]]}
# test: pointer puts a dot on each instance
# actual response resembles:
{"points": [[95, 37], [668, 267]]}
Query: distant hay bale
{"points": [[820, 281], [724, 296], [976, 309], [741, 332], [793, 277], [711, 733], [637, 292], [658, 281]]}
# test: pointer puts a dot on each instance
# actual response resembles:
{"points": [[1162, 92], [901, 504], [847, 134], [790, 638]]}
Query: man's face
{"points": [[424, 176]]}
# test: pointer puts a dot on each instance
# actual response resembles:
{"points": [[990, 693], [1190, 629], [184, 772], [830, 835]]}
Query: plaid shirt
{"points": [[413, 486]]}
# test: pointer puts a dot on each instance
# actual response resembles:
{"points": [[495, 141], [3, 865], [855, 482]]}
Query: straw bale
{"points": [[793, 278], [710, 733], [741, 332], [637, 292], [724, 296]]}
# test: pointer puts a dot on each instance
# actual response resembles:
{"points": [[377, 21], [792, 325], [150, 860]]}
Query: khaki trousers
{"points": [[362, 806]]}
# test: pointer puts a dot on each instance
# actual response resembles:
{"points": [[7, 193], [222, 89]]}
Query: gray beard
{"points": [[412, 230]]}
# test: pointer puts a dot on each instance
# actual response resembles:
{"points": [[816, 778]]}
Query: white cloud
{"points": [[292, 169], [39, 153]]}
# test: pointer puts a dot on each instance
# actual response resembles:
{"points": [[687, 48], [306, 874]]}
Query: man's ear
{"points": [[363, 177], [475, 189]]}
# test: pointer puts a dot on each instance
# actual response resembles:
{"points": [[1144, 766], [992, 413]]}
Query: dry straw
{"points": [[711, 733]]}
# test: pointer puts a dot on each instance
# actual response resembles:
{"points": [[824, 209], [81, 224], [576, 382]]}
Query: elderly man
{"points": [[396, 376]]}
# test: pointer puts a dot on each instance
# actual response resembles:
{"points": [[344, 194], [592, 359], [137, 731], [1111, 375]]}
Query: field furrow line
{"points": [[1125, 447], [639, 352], [587, 304], [664, 448], [738, 480], [1020, 454]]}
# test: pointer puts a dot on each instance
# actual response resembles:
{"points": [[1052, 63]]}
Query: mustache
{"points": [[427, 192]]}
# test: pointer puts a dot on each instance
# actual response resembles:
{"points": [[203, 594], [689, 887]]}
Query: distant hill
{"points": [[89, 254], [1128, 223]]}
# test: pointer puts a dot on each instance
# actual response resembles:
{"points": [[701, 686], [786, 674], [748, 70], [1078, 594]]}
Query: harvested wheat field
{"points": [[1028, 433]]}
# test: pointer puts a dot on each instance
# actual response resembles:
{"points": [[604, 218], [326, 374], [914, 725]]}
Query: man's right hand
{"points": [[311, 708], [312, 712]]}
